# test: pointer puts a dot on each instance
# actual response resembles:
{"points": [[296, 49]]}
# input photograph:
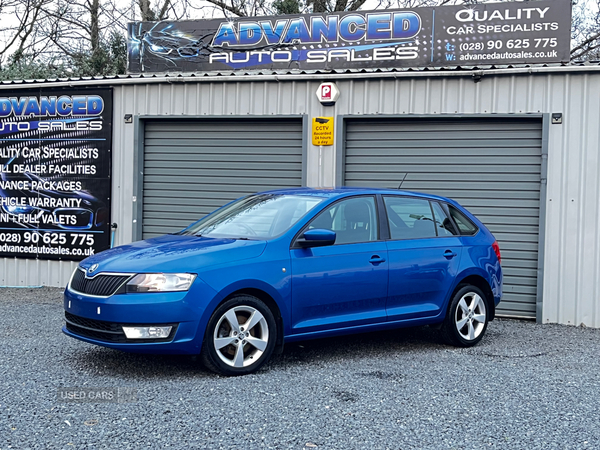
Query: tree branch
{"points": [[592, 38], [31, 27], [585, 52], [22, 26], [340, 5], [356, 4], [232, 9], [163, 11]]}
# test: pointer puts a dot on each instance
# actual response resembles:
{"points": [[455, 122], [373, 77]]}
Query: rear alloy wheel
{"points": [[240, 336], [467, 318]]}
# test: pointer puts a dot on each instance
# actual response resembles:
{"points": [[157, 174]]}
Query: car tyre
{"points": [[240, 336], [467, 317]]}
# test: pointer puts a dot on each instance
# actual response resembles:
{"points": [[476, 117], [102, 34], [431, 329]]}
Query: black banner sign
{"points": [[55, 163], [481, 34]]}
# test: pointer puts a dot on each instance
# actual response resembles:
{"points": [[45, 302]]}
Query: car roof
{"points": [[349, 191]]}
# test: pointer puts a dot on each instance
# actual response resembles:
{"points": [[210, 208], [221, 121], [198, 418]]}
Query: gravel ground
{"points": [[525, 386]]}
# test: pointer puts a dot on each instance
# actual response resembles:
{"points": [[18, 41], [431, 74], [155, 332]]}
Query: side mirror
{"points": [[316, 238]]}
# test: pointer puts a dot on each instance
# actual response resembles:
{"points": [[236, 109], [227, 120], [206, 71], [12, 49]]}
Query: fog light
{"points": [[147, 332]]}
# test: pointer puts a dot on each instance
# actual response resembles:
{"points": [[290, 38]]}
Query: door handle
{"points": [[376, 259], [449, 254]]}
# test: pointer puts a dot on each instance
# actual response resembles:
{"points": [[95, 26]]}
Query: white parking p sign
{"points": [[328, 93]]}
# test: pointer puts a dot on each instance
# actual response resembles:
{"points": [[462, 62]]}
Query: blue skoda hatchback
{"points": [[288, 265]]}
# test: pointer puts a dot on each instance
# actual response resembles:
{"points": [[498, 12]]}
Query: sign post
{"points": [[322, 132]]}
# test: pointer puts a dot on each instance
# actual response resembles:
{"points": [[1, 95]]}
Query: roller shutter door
{"points": [[191, 167], [490, 166]]}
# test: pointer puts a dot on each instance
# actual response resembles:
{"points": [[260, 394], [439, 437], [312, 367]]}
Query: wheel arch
{"points": [[480, 282], [271, 304], [268, 294]]}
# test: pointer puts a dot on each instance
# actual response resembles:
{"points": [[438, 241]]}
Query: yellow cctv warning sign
{"points": [[322, 131]]}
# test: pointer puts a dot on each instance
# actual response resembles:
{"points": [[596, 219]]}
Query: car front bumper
{"points": [[99, 320]]}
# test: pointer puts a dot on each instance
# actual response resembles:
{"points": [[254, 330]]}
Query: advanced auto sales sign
{"points": [[55, 164], [481, 34]]}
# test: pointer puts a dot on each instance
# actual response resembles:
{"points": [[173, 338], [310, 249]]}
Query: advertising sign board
{"points": [[467, 35], [55, 163]]}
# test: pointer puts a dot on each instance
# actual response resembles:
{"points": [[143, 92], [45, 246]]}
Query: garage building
{"points": [[519, 147]]}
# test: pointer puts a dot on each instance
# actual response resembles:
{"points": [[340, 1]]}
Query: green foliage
{"points": [[110, 58], [118, 50], [22, 66], [287, 6]]}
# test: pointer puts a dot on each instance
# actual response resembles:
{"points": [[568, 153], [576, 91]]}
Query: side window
{"points": [[409, 218], [465, 226], [443, 225], [353, 220]]}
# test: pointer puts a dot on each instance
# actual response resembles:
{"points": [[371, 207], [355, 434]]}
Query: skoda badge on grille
{"points": [[92, 268]]}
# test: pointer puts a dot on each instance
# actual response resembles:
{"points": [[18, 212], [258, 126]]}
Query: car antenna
{"points": [[403, 180]]}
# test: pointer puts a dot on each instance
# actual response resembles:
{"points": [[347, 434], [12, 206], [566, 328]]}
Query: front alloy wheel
{"points": [[240, 336], [467, 318]]}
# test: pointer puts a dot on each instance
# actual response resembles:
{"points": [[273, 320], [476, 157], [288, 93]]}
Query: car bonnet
{"points": [[173, 253]]}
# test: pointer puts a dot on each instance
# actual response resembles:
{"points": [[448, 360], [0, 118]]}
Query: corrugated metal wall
{"points": [[192, 167], [571, 289]]}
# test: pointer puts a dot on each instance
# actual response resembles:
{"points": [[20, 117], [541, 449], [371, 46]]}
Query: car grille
{"points": [[106, 331], [95, 329], [100, 285]]}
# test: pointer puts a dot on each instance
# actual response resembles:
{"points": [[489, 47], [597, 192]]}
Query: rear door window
{"points": [[443, 224], [409, 218]]}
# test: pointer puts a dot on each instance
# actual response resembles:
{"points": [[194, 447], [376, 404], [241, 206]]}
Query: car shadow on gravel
{"points": [[313, 353], [359, 346], [114, 363]]}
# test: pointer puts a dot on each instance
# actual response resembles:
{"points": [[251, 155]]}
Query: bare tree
{"points": [[79, 34], [162, 10], [73, 26], [14, 37], [585, 31]]}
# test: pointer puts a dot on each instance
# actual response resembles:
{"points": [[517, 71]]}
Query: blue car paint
{"points": [[226, 266], [418, 287], [324, 286], [180, 253]]}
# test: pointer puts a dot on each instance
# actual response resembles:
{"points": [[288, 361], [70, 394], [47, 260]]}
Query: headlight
{"points": [[161, 282]]}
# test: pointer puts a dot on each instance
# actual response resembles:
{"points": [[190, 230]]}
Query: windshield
{"points": [[256, 217]]}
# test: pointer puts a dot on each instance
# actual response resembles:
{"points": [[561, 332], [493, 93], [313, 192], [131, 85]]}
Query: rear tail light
{"points": [[496, 248]]}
